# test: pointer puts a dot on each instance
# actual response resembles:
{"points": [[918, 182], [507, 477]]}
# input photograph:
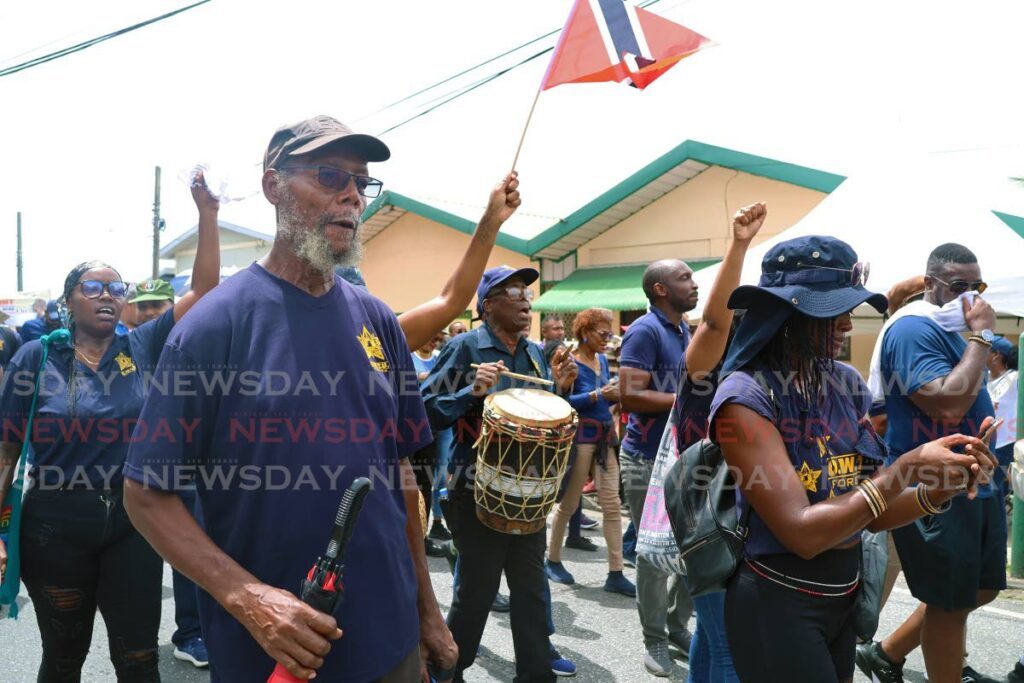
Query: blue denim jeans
{"points": [[444, 453], [710, 658]]}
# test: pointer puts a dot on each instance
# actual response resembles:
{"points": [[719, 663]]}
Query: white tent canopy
{"points": [[894, 220]]}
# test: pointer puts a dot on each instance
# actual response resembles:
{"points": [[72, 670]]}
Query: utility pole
{"points": [[157, 224], [21, 284]]}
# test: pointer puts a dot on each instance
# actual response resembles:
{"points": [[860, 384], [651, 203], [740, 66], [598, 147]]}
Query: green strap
{"points": [[11, 584]]}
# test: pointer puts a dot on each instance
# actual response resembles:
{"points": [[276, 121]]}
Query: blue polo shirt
{"points": [[916, 351], [448, 391], [284, 398], [830, 442], [33, 329], [80, 439], [656, 345]]}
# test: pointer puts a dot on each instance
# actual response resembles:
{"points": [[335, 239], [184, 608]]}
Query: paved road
{"points": [[599, 631]]}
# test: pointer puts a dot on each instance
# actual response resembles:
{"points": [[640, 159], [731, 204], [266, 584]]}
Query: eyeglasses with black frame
{"points": [[858, 274], [336, 179], [958, 287], [93, 289]]}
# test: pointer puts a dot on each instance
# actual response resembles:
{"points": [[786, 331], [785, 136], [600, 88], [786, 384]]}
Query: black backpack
{"points": [[700, 497]]}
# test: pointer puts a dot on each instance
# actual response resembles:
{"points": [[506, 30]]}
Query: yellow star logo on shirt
{"points": [[125, 364], [374, 350], [809, 478]]}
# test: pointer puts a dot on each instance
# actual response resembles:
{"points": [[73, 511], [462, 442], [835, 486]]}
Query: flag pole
{"points": [[523, 136]]}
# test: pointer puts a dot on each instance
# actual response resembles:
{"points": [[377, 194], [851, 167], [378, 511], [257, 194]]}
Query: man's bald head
{"points": [[670, 281]]}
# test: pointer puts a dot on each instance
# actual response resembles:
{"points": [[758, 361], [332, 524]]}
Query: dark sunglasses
{"points": [[958, 287], [93, 289], [605, 336], [336, 179]]}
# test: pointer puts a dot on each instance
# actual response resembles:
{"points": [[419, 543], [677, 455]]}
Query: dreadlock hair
{"points": [[802, 346], [70, 282]]}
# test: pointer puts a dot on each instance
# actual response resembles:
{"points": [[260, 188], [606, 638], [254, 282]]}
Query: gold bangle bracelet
{"points": [[872, 503], [872, 488]]}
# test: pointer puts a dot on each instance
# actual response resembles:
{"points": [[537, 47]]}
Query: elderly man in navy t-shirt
{"points": [[287, 384], [653, 350]]}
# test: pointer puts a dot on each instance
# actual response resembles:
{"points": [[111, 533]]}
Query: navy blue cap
{"points": [[495, 276], [52, 311], [1003, 346], [812, 275]]}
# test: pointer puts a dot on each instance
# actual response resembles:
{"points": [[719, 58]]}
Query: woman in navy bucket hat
{"points": [[792, 424]]}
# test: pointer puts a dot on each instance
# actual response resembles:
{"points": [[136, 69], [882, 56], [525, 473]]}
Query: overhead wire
{"points": [[44, 59]]}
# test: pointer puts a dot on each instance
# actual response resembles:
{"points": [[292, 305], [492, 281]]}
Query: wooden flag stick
{"points": [[516, 375], [523, 136]]}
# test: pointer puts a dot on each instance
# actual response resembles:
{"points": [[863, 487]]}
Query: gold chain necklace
{"points": [[86, 358]]}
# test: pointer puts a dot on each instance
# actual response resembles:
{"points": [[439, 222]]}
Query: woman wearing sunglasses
{"points": [[592, 396], [792, 424], [79, 551]]}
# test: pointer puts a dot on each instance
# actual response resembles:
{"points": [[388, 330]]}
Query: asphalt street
{"points": [[598, 630]]}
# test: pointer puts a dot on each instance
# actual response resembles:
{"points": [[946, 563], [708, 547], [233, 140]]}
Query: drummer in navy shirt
{"points": [[652, 352], [317, 387], [454, 396]]}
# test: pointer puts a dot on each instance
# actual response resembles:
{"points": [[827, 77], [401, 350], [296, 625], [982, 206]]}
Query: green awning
{"points": [[618, 288]]}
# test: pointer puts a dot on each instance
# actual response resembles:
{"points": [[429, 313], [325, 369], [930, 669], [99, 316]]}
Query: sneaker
{"points": [[873, 663], [588, 523], [438, 532], [969, 675], [629, 559], [558, 573], [1017, 675], [680, 641], [617, 583], [560, 666], [193, 651], [657, 660], [433, 549], [500, 604], [580, 543]]}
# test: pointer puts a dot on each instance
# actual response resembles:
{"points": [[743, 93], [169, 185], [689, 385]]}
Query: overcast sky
{"points": [[844, 87]]}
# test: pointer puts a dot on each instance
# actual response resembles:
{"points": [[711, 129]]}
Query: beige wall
{"points": [[693, 222], [410, 261]]}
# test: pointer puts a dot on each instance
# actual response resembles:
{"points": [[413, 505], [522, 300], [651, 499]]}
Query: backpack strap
{"points": [[743, 526]]}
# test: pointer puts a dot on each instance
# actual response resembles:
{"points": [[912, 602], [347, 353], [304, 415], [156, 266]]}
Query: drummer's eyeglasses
{"points": [[337, 180], [958, 287], [858, 274], [515, 293], [93, 289]]}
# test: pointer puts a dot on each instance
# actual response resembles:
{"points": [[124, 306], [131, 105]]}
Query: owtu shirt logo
{"points": [[374, 350]]}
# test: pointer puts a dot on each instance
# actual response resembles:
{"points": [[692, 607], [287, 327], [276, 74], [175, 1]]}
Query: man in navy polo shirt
{"points": [[653, 350], [286, 385]]}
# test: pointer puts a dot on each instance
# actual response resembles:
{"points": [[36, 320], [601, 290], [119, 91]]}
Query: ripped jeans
{"points": [[80, 552]]}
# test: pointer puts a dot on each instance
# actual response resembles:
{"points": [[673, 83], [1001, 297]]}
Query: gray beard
{"points": [[313, 247]]}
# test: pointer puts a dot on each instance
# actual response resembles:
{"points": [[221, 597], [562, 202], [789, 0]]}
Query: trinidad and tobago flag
{"points": [[613, 40]]}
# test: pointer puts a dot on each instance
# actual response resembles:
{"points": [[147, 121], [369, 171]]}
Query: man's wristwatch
{"points": [[985, 337]]}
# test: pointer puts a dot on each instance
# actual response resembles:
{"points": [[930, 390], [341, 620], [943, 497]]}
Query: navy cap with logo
{"points": [[495, 276], [819, 276], [316, 133]]}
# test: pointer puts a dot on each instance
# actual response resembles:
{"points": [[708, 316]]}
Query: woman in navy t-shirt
{"points": [[79, 550], [792, 424]]}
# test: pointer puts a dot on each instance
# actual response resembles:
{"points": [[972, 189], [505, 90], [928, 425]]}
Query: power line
{"points": [[483, 81], [93, 41]]}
